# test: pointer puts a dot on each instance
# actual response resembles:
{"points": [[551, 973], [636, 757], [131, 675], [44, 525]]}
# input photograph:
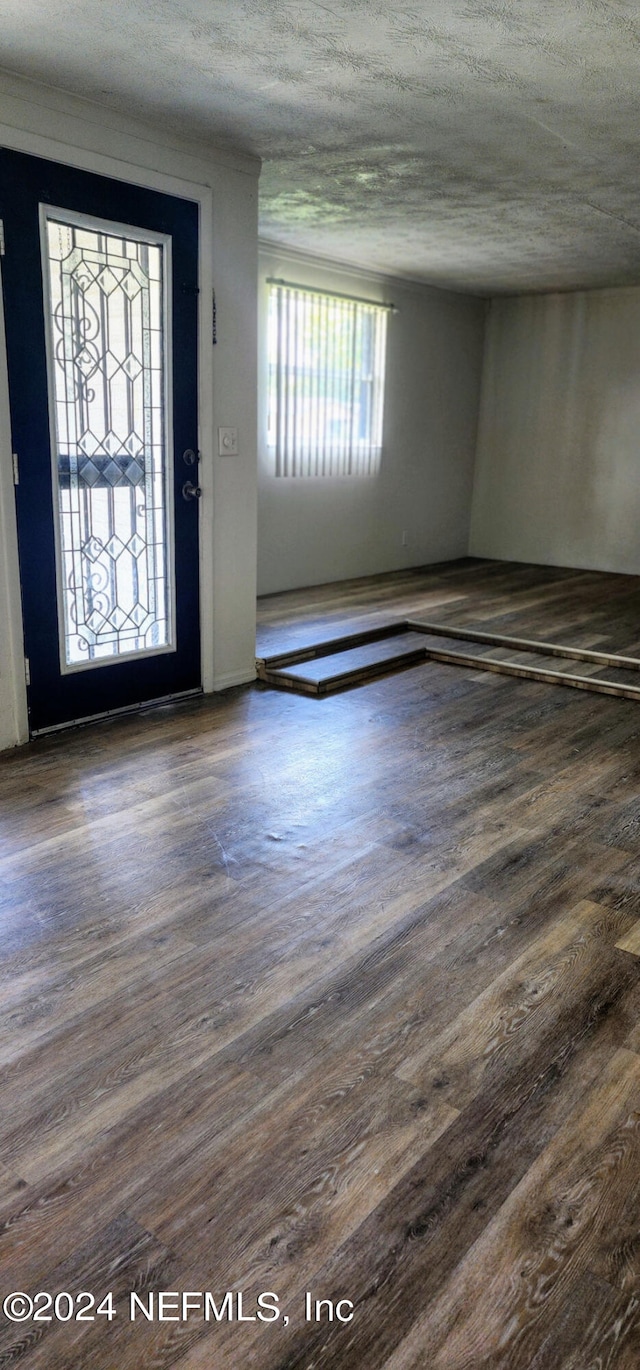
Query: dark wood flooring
{"points": [[334, 996]]}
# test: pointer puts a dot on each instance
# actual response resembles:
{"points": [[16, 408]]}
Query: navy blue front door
{"points": [[100, 286]]}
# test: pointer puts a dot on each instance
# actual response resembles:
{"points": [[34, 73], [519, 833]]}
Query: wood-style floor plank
{"points": [[631, 941], [549, 1231], [520, 1006], [339, 995]]}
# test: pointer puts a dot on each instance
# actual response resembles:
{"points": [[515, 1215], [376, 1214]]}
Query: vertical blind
{"points": [[326, 382]]}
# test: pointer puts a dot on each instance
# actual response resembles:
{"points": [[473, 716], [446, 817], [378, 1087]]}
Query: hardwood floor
{"points": [[334, 996]]}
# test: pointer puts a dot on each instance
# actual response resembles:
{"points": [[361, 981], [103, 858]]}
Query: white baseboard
{"points": [[244, 677]]}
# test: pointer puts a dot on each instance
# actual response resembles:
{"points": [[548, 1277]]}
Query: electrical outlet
{"points": [[228, 442], [405, 538]]}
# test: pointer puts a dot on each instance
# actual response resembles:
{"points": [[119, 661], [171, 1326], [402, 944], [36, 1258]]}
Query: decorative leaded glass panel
{"points": [[108, 335]]}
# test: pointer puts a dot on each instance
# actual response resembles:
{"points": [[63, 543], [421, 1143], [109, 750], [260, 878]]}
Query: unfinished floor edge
{"points": [[274, 670]]}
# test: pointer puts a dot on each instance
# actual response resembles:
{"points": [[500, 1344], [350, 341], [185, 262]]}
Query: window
{"points": [[326, 382], [107, 346]]}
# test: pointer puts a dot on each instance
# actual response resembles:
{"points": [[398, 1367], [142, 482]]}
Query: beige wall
{"points": [[558, 461], [312, 530], [47, 123]]}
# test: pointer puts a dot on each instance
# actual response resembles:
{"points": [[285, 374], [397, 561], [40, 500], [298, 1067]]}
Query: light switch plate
{"points": [[228, 442]]}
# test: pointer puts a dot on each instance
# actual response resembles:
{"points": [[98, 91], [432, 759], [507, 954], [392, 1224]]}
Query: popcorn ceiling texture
{"points": [[486, 145]]}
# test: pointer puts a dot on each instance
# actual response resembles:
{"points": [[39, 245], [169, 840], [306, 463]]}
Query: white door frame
{"points": [[13, 706]]}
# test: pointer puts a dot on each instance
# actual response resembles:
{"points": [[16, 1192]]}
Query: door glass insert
{"points": [[108, 358]]}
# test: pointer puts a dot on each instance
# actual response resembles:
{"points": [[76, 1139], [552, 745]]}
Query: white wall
{"points": [[558, 462], [45, 122], [312, 530]]}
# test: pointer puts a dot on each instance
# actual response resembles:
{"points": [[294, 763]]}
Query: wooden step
{"points": [[323, 667], [333, 671]]}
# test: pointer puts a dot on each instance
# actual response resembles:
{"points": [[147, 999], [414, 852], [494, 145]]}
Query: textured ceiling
{"points": [[489, 145]]}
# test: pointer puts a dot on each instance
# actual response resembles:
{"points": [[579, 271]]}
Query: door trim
{"points": [[16, 685]]}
